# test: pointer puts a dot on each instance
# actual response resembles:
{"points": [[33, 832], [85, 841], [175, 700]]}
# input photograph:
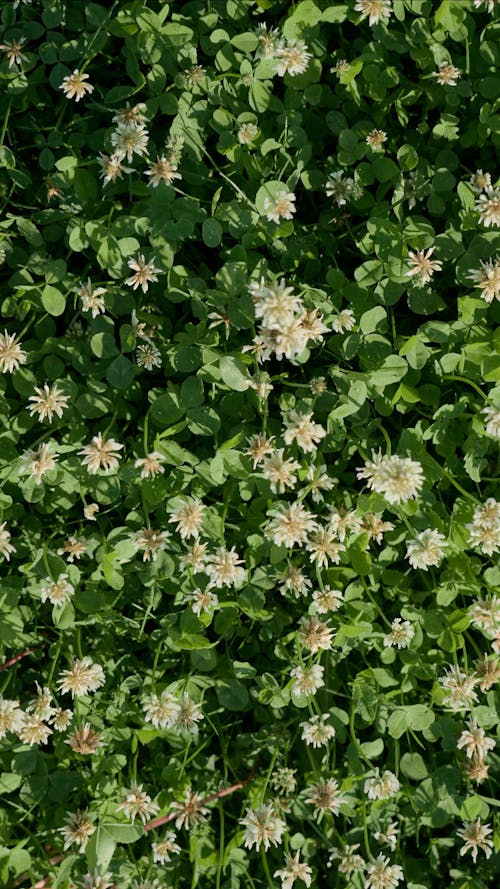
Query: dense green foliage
{"points": [[223, 220]]}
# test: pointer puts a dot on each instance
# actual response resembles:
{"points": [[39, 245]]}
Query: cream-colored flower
{"points": [[293, 870], [480, 181], [129, 139], [323, 547], [292, 58], [325, 797], [144, 272], [263, 827], [164, 170], [112, 167], [476, 836], [151, 465], [152, 542], [37, 463], [165, 848], [11, 717], [11, 354], [303, 430], [135, 115], [268, 41], [422, 266], [189, 518], [382, 786], [75, 87], [223, 568], [280, 472], [203, 600], [102, 454], [317, 732], [294, 580], [83, 677], [374, 10], [328, 600], [474, 740], [73, 548], [401, 634], [459, 687], [190, 811], [162, 711], [426, 549], [77, 830], [6, 547], [447, 74], [47, 402], [315, 635], [91, 298], [189, 715], [487, 279], [84, 740], [14, 51], [34, 730], [90, 511], [488, 207], [57, 592], [308, 680], [376, 138], [291, 525], [383, 875], [397, 478], [247, 133], [282, 206], [137, 802], [148, 355]]}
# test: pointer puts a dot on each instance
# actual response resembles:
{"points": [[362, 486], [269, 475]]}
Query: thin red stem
{"points": [[16, 658], [157, 822]]}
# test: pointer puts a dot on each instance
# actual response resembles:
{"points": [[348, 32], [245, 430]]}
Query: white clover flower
{"points": [[487, 279], [476, 836], [280, 472], [342, 188], [488, 207], [293, 870], [137, 802], [397, 478], [151, 465], [129, 139], [345, 320], [57, 591], [282, 206], [382, 786], [292, 58], [426, 549], [74, 85], [484, 530], [11, 354], [480, 181], [291, 525], [376, 138], [263, 827], [422, 266], [164, 170], [459, 687], [165, 848], [374, 10], [47, 402], [189, 518], [317, 732], [401, 634], [83, 677], [6, 547], [247, 133], [77, 830], [144, 272], [383, 875], [447, 74], [308, 680], [101, 453], [474, 740], [162, 710], [223, 568], [303, 430], [11, 717], [315, 635], [112, 167], [325, 797], [148, 356]]}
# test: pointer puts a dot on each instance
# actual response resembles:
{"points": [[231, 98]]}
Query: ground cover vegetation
{"points": [[250, 400]]}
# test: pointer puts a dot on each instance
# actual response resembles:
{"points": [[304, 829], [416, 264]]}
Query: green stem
{"points": [[266, 868], [469, 383], [221, 846], [5, 122]]}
